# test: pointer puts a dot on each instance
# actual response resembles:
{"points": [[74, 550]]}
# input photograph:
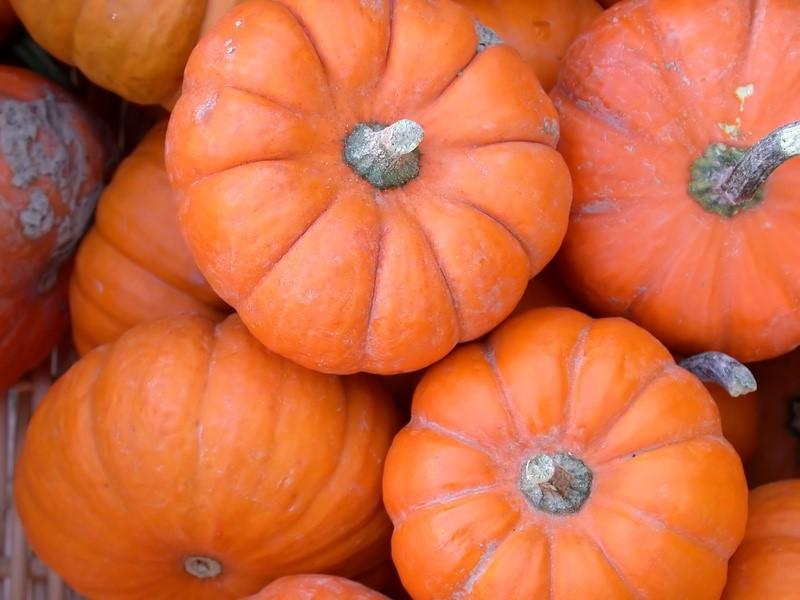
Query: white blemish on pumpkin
{"points": [[743, 93], [630, 148], [230, 47], [201, 112], [599, 207], [733, 130], [550, 127], [38, 217], [238, 23]]}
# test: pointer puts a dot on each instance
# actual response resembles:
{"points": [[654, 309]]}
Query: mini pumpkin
{"points": [[677, 130], [564, 457], [540, 30], [365, 200], [194, 463], [316, 587], [740, 417], [767, 564], [52, 161], [133, 48], [133, 265]]}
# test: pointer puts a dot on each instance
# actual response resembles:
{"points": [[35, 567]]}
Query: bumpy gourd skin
{"points": [[322, 266], [135, 48], [52, 162], [643, 95]]}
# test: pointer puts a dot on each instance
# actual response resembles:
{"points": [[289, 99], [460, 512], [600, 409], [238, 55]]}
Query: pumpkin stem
{"points": [[722, 369], [202, 567], [555, 483], [386, 156], [487, 37], [727, 180]]}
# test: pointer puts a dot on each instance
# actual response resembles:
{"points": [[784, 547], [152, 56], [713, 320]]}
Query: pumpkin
{"points": [[767, 564], [365, 200], [740, 418], [669, 119], [316, 587], [193, 463], [777, 454], [133, 48], [564, 457], [52, 161], [133, 265], [541, 30]]}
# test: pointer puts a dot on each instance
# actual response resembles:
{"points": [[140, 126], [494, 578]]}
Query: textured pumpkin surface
{"points": [[777, 454], [540, 30], [316, 587], [643, 95], [185, 440], [133, 265], [740, 418], [133, 48], [323, 266], [767, 564], [666, 503], [52, 161]]}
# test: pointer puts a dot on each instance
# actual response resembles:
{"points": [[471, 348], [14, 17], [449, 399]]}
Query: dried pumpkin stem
{"points": [[386, 156], [717, 367], [202, 567], [555, 483]]}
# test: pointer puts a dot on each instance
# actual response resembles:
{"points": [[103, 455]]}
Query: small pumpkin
{"points": [[194, 463], [133, 48], [133, 265], [563, 457], [365, 201], [316, 587], [685, 208], [52, 162], [740, 417], [767, 564], [777, 454], [540, 30]]}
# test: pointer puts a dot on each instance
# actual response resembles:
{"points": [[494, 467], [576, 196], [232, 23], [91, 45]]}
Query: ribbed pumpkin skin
{"points": [[52, 160], [133, 48], [186, 438], [668, 500], [540, 30], [777, 455], [641, 96], [767, 564], [133, 266], [316, 587], [740, 418], [323, 267]]}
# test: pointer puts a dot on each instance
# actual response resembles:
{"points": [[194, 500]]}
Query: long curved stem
{"points": [[717, 367]]}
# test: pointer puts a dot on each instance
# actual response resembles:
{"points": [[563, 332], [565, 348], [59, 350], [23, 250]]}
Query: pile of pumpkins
{"points": [[342, 194]]}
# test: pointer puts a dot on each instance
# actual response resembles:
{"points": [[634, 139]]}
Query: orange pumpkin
{"points": [[540, 30], [193, 463], [564, 457], [740, 418], [365, 201], [316, 587], [678, 221], [777, 454], [133, 48], [52, 160], [133, 266], [767, 564]]}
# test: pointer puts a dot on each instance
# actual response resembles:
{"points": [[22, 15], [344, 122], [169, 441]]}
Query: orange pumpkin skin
{"points": [[666, 503], [643, 95], [316, 587], [133, 48], [767, 564], [133, 265], [777, 454], [52, 160], [324, 267], [740, 418], [186, 444], [540, 30]]}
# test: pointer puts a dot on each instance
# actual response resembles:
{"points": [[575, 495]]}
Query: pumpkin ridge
{"points": [[418, 422], [666, 369], [634, 592], [698, 435], [366, 352], [464, 589], [82, 289], [443, 500], [431, 105], [489, 355], [656, 523], [574, 364], [414, 218], [311, 42]]}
